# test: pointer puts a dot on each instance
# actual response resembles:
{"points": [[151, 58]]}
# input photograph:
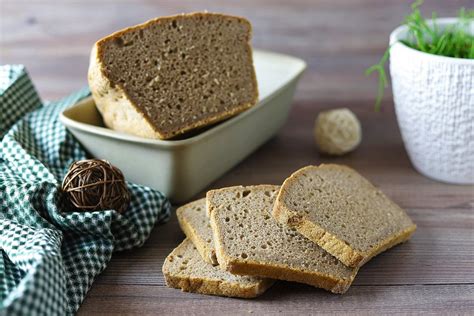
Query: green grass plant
{"points": [[454, 41]]}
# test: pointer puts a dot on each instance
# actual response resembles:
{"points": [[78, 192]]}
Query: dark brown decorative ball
{"points": [[94, 185]]}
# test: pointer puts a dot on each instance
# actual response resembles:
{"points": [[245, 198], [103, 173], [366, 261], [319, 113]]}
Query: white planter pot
{"points": [[434, 102]]}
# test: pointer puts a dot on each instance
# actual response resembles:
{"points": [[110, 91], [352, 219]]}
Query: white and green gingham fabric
{"points": [[49, 253]]}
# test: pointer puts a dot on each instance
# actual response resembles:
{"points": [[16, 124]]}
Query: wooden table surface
{"points": [[434, 272]]}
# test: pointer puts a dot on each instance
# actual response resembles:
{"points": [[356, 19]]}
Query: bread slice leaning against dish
{"points": [[173, 74], [341, 211]]}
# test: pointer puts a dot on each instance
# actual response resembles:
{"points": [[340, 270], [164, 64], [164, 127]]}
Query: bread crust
{"points": [[207, 253], [331, 243], [210, 286], [214, 287], [118, 109]]}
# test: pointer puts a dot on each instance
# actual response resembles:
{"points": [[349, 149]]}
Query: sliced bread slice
{"points": [[173, 74], [341, 211], [249, 241], [184, 269], [195, 224]]}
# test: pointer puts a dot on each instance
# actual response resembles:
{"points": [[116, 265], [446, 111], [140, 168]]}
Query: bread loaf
{"points": [[173, 74]]}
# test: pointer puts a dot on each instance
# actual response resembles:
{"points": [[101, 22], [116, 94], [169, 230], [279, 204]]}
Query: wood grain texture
{"points": [[433, 272], [283, 298]]}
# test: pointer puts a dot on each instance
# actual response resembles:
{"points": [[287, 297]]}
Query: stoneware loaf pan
{"points": [[182, 168]]}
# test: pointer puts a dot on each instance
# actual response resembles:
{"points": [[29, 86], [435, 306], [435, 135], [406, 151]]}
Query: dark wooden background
{"points": [[434, 272]]}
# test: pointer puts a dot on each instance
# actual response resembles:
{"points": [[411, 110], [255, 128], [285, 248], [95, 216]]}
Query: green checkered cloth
{"points": [[49, 253]]}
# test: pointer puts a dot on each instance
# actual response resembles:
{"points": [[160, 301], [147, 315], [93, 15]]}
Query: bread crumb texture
{"points": [[184, 269], [249, 241], [195, 224], [174, 74], [337, 208]]}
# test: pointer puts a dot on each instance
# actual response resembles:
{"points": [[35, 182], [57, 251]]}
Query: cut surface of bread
{"points": [[249, 241], [174, 74], [184, 269], [195, 224], [337, 208]]}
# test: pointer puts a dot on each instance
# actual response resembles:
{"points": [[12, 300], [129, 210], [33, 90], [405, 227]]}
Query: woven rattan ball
{"points": [[94, 185], [337, 131]]}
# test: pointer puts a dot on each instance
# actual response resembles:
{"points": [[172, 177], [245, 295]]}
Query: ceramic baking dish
{"points": [[182, 168]]}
